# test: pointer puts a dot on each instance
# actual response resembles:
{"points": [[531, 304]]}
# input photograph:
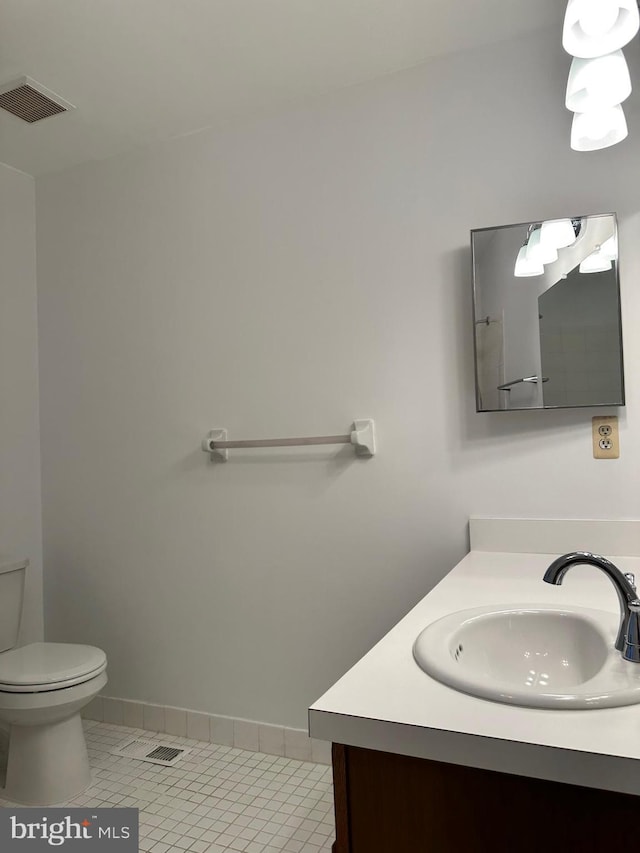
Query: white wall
{"points": [[20, 522], [283, 278]]}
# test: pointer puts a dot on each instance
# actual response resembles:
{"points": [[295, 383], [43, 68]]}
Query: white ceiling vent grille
{"points": [[152, 751], [30, 101]]}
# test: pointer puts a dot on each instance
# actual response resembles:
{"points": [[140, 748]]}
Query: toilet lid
{"points": [[45, 665]]}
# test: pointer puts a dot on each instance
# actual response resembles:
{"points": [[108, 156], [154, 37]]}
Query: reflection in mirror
{"points": [[547, 315]]}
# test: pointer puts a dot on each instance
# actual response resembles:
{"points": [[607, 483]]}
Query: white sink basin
{"points": [[537, 656]]}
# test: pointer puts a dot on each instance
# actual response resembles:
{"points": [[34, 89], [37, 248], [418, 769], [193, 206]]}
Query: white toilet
{"points": [[43, 687]]}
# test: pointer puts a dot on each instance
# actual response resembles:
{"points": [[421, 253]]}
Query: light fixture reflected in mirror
{"points": [[539, 252], [558, 233], [543, 244], [524, 267], [597, 261], [598, 129], [610, 248]]}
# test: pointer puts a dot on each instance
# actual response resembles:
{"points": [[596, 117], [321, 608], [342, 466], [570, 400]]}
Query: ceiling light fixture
{"points": [[595, 84], [598, 129], [599, 81], [597, 27]]}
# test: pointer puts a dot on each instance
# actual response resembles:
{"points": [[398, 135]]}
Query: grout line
{"points": [[216, 799]]}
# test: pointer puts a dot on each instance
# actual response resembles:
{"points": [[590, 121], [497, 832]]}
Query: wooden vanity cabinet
{"points": [[388, 803]]}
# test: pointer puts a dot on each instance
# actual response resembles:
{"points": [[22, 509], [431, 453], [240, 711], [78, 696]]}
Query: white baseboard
{"points": [[210, 728]]}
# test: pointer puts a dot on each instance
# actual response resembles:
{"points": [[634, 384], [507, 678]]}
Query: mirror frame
{"points": [[477, 319]]}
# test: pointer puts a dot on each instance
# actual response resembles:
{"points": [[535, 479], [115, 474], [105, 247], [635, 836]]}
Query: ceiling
{"points": [[143, 70]]}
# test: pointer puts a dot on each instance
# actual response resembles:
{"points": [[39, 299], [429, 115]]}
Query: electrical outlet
{"points": [[606, 444]]}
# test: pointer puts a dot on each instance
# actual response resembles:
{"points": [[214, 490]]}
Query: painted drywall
{"points": [[283, 278], [20, 521]]}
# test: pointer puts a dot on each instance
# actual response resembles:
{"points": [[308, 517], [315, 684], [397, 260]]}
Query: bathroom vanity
{"points": [[421, 766]]}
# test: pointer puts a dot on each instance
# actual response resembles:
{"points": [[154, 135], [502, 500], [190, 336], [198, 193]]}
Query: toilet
{"points": [[43, 688]]}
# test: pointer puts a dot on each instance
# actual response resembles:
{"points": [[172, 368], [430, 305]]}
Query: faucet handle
{"points": [[631, 578]]}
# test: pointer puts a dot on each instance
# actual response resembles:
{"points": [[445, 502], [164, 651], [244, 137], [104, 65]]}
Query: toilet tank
{"points": [[11, 594]]}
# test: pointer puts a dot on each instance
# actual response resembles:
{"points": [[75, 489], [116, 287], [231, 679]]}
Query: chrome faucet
{"points": [[628, 639]]}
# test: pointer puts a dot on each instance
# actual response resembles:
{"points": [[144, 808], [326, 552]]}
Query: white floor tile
{"points": [[218, 799]]}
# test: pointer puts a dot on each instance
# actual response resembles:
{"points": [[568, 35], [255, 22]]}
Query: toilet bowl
{"points": [[43, 688]]}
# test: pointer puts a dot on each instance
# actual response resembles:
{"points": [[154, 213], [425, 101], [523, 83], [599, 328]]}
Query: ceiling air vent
{"points": [[30, 101]]}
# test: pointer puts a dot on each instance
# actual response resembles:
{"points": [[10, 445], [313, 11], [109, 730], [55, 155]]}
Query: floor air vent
{"points": [[31, 101], [152, 751]]}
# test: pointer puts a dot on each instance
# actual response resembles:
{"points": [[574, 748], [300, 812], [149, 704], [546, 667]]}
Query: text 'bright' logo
{"points": [[57, 832]]}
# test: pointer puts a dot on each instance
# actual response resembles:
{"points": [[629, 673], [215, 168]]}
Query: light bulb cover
{"points": [[609, 248], [597, 17], [596, 84], [597, 27], [596, 262], [557, 233], [539, 252], [598, 129], [524, 267]]}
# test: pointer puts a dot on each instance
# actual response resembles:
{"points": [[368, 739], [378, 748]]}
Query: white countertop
{"points": [[386, 702]]}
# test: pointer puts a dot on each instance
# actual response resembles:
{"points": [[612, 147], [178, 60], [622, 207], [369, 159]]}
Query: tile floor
{"points": [[216, 800]]}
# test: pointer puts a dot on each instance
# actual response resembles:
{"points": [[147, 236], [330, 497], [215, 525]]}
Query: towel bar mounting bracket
{"points": [[362, 436]]}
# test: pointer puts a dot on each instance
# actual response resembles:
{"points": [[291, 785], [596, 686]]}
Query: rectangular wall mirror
{"points": [[547, 327]]}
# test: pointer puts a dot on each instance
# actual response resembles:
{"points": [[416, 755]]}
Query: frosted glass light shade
{"points": [[557, 233], [609, 249], [598, 129], [596, 262], [539, 252], [524, 267], [597, 27], [595, 84]]}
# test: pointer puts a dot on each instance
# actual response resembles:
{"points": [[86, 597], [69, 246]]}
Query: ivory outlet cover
{"points": [[606, 442]]}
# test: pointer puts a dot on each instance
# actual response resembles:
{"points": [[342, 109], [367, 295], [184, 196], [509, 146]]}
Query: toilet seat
{"points": [[43, 667]]}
